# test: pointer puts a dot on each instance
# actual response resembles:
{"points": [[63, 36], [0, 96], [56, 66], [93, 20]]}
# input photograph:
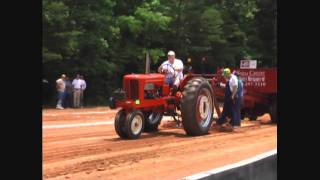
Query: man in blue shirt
{"points": [[236, 122]]}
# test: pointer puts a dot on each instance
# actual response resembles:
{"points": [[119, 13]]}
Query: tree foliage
{"points": [[105, 39]]}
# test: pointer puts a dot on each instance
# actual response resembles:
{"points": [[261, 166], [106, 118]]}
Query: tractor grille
{"points": [[126, 86], [132, 89]]}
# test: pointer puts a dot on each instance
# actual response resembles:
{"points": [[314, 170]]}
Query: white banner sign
{"points": [[248, 64]]}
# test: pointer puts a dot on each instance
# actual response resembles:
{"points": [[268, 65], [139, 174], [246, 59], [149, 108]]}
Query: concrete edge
{"points": [[265, 164]]}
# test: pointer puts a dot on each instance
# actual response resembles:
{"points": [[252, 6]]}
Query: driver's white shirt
{"points": [[177, 64]]}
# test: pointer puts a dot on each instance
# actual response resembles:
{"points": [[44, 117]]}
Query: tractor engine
{"points": [[142, 104], [140, 91]]}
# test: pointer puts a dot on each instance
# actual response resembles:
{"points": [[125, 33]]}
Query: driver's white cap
{"points": [[171, 53]]}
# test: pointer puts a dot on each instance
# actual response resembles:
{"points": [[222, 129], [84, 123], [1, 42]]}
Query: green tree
{"points": [[106, 39]]}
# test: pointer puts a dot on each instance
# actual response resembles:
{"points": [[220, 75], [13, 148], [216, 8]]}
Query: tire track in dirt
{"points": [[132, 151], [96, 151], [102, 143]]}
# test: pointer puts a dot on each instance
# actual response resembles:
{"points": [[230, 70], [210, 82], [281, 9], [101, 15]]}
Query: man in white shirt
{"points": [[83, 87], [172, 68], [233, 83], [76, 83], [61, 86]]}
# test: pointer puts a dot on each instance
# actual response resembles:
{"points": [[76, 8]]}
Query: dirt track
{"points": [[90, 149]]}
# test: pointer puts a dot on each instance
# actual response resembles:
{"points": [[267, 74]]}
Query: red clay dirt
{"points": [[96, 152]]}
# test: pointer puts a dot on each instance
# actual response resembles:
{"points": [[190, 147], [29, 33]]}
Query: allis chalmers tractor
{"points": [[146, 98]]}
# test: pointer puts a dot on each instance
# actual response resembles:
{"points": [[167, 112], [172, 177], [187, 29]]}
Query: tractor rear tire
{"points": [[134, 124], [152, 121], [197, 107], [273, 111], [119, 122]]}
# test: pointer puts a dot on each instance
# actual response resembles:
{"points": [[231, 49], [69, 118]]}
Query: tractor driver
{"points": [[172, 68]]}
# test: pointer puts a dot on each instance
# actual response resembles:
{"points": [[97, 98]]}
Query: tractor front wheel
{"points": [[134, 124], [119, 122], [152, 121]]}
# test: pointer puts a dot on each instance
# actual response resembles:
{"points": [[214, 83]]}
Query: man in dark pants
{"points": [[230, 99], [226, 106], [68, 93], [238, 101]]}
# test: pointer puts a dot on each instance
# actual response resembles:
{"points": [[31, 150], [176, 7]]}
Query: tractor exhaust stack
{"points": [[147, 63]]}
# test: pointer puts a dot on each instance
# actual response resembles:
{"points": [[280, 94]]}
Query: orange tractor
{"points": [[146, 98]]}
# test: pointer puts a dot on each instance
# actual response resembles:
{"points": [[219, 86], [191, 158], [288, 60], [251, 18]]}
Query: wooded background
{"points": [[106, 39]]}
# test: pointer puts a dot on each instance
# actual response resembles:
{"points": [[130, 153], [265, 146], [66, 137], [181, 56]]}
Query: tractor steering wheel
{"points": [[167, 71]]}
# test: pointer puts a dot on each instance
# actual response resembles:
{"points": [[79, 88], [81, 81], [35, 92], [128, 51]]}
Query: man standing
{"points": [[61, 86], [76, 84], [230, 99], [68, 92], [172, 68], [83, 87], [238, 100]]}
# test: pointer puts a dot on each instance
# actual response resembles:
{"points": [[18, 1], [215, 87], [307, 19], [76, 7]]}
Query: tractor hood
{"points": [[144, 76]]}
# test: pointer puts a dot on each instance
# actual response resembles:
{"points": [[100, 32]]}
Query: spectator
{"points": [[83, 87], [61, 86], [68, 93], [76, 84]]}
